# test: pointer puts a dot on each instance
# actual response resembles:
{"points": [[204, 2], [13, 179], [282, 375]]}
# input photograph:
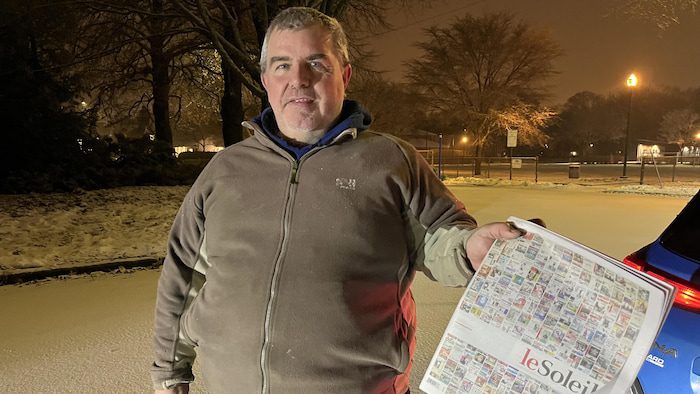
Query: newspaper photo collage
{"points": [[580, 313]]}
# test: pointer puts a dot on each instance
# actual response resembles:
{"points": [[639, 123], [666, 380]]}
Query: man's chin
{"points": [[304, 125], [304, 133]]}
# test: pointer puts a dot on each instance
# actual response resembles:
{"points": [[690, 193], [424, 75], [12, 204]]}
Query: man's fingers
{"points": [[479, 243], [514, 228], [507, 230]]}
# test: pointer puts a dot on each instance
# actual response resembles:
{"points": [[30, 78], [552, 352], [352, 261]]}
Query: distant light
{"points": [[465, 139], [697, 136], [83, 103], [152, 137], [573, 153], [632, 81], [590, 145]]}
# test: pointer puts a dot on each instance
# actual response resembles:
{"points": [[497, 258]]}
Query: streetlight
{"points": [[631, 84], [464, 141]]}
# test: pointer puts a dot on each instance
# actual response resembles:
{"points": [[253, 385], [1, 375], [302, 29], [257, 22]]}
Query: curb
{"points": [[43, 273]]}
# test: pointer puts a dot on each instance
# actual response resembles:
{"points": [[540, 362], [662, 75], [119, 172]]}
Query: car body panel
{"points": [[673, 364], [665, 260], [677, 346]]}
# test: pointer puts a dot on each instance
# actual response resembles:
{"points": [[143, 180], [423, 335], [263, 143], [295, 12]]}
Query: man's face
{"points": [[305, 82]]}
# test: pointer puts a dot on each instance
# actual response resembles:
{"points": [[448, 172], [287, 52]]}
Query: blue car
{"points": [[673, 363]]}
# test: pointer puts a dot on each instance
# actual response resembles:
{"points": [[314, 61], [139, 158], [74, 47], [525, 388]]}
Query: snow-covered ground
{"points": [[54, 230], [92, 333], [605, 185], [77, 229]]}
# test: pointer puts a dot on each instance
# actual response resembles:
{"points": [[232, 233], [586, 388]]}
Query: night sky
{"points": [[599, 50]]}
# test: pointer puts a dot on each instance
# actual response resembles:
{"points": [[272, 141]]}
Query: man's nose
{"points": [[301, 76]]}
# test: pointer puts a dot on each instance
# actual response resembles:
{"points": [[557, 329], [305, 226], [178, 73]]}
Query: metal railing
{"points": [[452, 163]]}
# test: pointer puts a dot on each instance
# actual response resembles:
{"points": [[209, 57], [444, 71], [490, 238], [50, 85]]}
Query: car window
{"points": [[683, 235]]}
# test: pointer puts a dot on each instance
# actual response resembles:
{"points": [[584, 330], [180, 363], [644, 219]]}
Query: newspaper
{"points": [[544, 314]]}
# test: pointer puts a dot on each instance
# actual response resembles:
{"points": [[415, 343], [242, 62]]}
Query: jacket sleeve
{"points": [[438, 224], [174, 353]]}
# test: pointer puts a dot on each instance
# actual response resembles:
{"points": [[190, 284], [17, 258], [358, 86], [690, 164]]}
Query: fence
{"points": [[451, 165], [663, 167], [651, 170]]}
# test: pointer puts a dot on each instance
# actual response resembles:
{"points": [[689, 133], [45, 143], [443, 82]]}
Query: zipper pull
{"points": [[295, 168]]}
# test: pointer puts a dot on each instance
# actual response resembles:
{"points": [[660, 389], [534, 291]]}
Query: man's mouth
{"points": [[300, 100]]}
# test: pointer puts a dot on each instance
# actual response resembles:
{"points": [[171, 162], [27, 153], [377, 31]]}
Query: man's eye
{"points": [[282, 67], [318, 65]]}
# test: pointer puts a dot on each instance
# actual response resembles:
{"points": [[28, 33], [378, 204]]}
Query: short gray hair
{"points": [[297, 18]]}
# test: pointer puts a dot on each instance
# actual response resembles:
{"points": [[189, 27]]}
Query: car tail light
{"points": [[687, 294]]}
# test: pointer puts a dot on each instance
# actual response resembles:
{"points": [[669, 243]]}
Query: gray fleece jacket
{"points": [[293, 276]]}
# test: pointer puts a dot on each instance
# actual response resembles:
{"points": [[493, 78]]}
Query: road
{"points": [[92, 334]]}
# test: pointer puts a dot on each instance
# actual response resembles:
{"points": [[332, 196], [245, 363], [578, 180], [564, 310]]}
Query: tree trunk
{"points": [[161, 79], [231, 101], [477, 159], [231, 107]]}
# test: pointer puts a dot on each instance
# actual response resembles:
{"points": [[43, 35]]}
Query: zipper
{"points": [[273, 290], [293, 181]]}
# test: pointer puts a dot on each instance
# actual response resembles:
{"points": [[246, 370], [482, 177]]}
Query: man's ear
{"points": [[263, 79], [347, 73]]}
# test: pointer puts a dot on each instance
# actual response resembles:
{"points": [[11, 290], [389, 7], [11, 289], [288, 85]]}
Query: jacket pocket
{"points": [[186, 318]]}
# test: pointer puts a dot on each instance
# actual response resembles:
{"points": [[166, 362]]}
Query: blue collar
{"points": [[353, 115]]}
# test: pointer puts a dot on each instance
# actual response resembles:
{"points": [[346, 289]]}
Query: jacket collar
{"points": [[353, 119]]}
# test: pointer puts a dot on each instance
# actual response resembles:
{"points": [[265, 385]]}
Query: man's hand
{"points": [[480, 241], [179, 389]]}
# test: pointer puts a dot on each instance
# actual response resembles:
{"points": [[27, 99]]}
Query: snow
{"points": [[57, 230], [605, 185], [76, 229]]}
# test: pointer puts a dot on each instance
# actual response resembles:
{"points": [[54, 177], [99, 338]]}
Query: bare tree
{"points": [[199, 120], [394, 107], [137, 45], [480, 68], [679, 126], [528, 119], [587, 122]]}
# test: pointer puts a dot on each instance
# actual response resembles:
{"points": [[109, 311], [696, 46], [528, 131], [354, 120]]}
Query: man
{"points": [[290, 261]]}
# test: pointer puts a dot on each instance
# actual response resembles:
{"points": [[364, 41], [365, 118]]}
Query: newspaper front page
{"points": [[546, 315]]}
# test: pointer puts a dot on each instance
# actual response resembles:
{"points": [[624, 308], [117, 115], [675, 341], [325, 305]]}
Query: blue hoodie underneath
{"points": [[352, 115]]}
